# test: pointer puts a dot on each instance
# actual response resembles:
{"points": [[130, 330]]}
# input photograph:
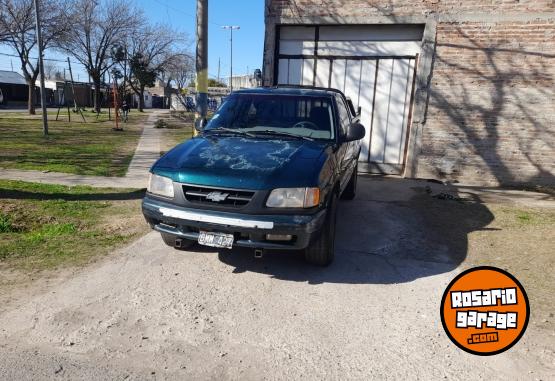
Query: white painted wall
{"points": [[376, 73]]}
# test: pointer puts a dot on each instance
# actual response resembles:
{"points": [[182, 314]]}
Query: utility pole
{"points": [[231, 29], [41, 71], [202, 60]]}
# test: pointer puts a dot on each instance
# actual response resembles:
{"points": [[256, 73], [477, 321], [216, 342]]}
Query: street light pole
{"points": [[41, 71], [231, 29]]}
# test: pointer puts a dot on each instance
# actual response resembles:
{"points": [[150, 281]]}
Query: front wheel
{"points": [[176, 242], [350, 191], [321, 251]]}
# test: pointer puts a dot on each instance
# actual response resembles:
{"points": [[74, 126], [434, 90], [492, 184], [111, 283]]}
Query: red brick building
{"points": [[453, 90]]}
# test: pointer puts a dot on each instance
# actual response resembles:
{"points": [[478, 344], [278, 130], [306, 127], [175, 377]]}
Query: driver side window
{"points": [[344, 117]]}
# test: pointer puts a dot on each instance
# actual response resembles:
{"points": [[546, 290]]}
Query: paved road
{"points": [[150, 312]]}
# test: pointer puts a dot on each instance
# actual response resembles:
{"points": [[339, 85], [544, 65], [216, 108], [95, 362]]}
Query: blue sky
{"points": [[248, 42]]}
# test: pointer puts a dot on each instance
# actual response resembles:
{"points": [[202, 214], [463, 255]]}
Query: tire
{"points": [[169, 240], [321, 251], [350, 191]]}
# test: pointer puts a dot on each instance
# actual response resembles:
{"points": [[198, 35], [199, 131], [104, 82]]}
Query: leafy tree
{"points": [[215, 83], [212, 82], [143, 75]]}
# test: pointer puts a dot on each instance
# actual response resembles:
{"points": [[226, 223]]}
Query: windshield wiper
{"points": [[231, 130], [281, 133]]}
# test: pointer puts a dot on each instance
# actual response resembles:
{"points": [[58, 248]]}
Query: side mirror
{"points": [[356, 131], [199, 124]]}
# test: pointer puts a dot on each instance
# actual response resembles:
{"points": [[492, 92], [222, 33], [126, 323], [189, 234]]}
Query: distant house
{"points": [[14, 87], [62, 93], [244, 81], [147, 98]]}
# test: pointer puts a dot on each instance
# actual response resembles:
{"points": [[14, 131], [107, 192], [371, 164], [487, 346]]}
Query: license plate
{"points": [[215, 239]]}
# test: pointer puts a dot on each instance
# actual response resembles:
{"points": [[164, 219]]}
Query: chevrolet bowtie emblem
{"points": [[217, 196]]}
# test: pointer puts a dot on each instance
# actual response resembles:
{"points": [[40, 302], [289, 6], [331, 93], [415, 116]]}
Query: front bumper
{"points": [[249, 230]]}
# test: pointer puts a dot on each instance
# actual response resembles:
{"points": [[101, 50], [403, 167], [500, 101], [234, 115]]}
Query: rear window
{"points": [[295, 114]]}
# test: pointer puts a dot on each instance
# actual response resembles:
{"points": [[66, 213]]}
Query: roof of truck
{"points": [[290, 90]]}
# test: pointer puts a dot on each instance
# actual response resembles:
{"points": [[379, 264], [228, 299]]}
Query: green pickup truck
{"points": [[266, 172]]}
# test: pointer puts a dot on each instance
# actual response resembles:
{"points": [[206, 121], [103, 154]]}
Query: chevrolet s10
{"points": [[266, 172]]}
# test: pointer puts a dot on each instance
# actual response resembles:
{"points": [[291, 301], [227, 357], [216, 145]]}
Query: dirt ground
{"points": [[150, 312]]}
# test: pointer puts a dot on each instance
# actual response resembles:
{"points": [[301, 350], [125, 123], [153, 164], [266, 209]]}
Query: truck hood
{"points": [[245, 163]]}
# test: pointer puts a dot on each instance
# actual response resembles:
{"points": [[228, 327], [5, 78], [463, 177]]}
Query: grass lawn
{"points": [[522, 241], [44, 226], [175, 130], [90, 148]]}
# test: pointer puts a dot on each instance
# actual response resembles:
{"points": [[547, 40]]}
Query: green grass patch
{"points": [[175, 130], [6, 224], [524, 217], [44, 226], [90, 148]]}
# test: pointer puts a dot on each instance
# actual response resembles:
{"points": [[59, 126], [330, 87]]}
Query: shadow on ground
{"points": [[393, 232]]}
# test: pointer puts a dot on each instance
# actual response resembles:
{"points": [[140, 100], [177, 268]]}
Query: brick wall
{"points": [[491, 105]]}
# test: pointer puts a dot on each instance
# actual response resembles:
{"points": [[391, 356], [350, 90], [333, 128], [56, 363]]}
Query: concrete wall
{"points": [[484, 109]]}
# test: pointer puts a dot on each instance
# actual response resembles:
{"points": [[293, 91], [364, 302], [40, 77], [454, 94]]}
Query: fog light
{"points": [[279, 237]]}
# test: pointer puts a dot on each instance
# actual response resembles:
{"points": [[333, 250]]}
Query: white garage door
{"points": [[372, 65]]}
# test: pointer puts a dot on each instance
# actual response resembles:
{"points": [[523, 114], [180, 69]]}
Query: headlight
{"points": [[294, 198], [160, 185]]}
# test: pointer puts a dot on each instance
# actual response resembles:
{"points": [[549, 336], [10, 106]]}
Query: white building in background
{"points": [[243, 81], [147, 99]]}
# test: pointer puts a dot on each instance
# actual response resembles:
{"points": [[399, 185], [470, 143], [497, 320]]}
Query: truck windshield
{"points": [[298, 115]]}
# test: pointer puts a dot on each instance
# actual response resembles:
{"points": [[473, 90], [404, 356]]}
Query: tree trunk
{"points": [[141, 98], [31, 97], [97, 100]]}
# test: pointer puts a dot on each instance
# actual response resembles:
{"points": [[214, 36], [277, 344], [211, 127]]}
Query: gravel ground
{"points": [[149, 312]]}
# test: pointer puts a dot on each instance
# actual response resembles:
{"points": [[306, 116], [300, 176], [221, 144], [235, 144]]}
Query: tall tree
{"points": [[98, 26], [182, 71], [151, 51], [178, 73], [50, 69], [17, 25]]}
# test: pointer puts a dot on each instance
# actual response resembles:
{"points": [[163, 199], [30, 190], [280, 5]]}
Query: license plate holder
{"points": [[221, 240]]}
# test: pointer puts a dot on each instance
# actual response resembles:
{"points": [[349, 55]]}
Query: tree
{"points": [[150, 51], [142, 75], [180, 71], [17, 26], [212, 82], [98, 26], [50, 70]]}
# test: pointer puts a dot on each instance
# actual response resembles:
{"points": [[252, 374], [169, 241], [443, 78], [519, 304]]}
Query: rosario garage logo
{"points": [[485, 310]]}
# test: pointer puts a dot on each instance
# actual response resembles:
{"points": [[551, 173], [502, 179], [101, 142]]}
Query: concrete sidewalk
{"points": [[146, 153]]}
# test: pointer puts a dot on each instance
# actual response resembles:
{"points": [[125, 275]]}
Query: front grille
{"points": [[217, 196]]}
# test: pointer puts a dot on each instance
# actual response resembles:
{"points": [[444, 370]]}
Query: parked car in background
{"points": [[266, 172]]}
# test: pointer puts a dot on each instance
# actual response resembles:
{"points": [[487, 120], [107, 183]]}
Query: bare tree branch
{"points": [[98, 26], [149, 53], [17, 30]]}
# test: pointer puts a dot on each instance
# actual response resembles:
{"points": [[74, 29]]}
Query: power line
{"points": [[45, 59], [185, 13]]}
